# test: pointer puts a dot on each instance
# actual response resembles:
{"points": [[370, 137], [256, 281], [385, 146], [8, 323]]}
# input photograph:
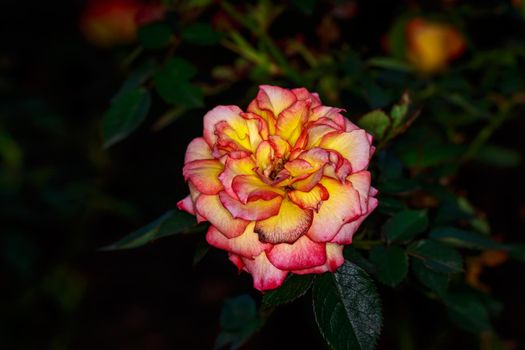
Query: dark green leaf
{"points": [[172, 84], [125, 115], [306, 6], [155, 35], [136, 78], [517, 251], [436, 256], [201, 34], [376, 123], [466, 239], [401, 185], [239, 321], [294, 287], [171, 223], [399, 111], [353, 255], [435, 281], [391, 263], [468, 312], [405, 225], [347, 308], [201, 250], [498, 156], [389, 63], [390, 206]]}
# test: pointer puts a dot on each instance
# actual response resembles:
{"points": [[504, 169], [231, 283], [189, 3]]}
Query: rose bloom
{"points": [[432, 45], [107, 23], [283, 185]]}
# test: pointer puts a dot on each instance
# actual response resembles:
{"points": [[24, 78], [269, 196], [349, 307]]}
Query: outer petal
{"points": [[274, 98], [310, 200], [198, 149], [204, 175], [345, 234], [353, 145], [265, 275], [302, 254], [211, 208], [361, 182], [236, 260], [334, 259], [342, 206], [287, 226], [247, 244], [229, 114], [303, 94], [186, 204], [255, 210]]}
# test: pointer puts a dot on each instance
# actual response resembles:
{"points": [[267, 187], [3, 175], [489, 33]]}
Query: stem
{"points": [[131, 57]]}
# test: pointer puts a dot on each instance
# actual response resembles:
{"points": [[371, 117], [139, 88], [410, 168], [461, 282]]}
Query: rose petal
{"points": [[234, 167], [246, 245], [291, 121], [265, 275], [342, 206], [251, 188], [255, 210], [274, 98], [353, 145], [302, 254], [198, 149], [361, 182], [211, 208], [334, 259], [204, 175], [186, 204], [229, 114], [347, 231], [311, 199], [290, 223], [236, 260]]}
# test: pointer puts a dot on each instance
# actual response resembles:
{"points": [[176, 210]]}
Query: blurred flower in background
{"points": [[432, 45], [115, 22]]}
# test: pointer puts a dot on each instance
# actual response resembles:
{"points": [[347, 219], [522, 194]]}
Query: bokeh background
{"points": [[64, 196]]}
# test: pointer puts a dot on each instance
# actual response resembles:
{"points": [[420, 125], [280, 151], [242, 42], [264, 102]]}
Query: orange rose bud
{"points": [[432, 45], [284, 185], [107, 23]]}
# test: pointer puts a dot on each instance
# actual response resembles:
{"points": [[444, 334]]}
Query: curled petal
{"points": [[302, 254], [274, 99], [187, 205], [210, 207], [342, 206], [234, 167], [345, 234], [251, 188], [265, 275], [255, 210], [334, 259], [315, 134], [198, 149], [353, 145], [325, 114], [264, 155], [311, 199], [304, 95], [308, 183], [204, 175], [291, 121], [228, 114], [246, 245], [361, 182], [290, 223]]}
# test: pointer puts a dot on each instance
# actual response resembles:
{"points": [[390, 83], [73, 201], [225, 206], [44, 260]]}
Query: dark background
{"points": [[67, 197]]}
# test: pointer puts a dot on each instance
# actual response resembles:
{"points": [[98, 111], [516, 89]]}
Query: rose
{"points": [[106, 23], [283, 185], [432, 45]]}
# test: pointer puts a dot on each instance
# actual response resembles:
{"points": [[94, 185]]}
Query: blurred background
{"points": [[64, 195]]}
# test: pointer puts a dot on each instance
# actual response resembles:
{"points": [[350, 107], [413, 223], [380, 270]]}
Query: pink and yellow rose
{"points": [[284, 185]]}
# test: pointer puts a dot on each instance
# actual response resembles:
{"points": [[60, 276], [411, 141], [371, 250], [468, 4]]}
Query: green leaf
{"points": [[171, 223], [465, 239], [136, 78], [390, 206], [125, 115], [389, 63], [435, 281], [353, 255], [436, 256], [347, 308], [305, 6], [399, 111], [239, 321], [405, 225], [294, 287], [155, 35], [376, 123], [201, 34], [391, 263], [172, 84], [468, 312]]}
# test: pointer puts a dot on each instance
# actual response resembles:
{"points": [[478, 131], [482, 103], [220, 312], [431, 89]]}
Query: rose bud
{"points": [[284, 185]]}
